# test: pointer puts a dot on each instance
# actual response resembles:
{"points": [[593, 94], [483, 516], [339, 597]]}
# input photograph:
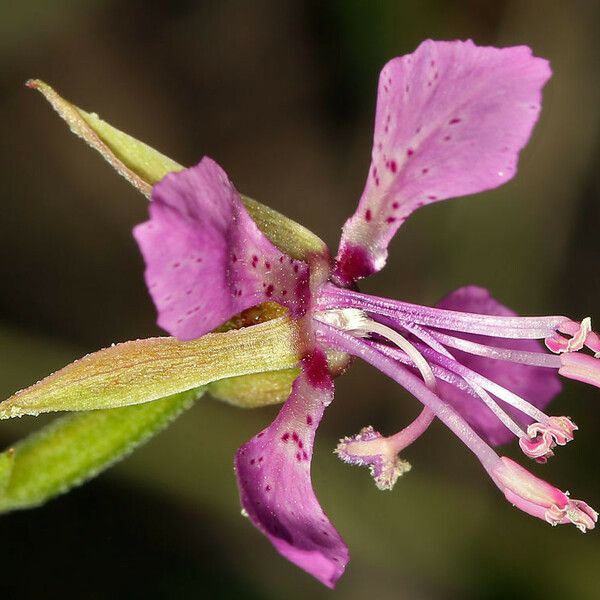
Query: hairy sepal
{"points": [[145, 370], [143, 166]]}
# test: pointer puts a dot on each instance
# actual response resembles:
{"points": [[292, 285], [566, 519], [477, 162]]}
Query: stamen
{"points": [[358, 323], [580, 367], [468, 385], [579, 333], [488, 385], [543, 437], [534, 359], [450, 320]]}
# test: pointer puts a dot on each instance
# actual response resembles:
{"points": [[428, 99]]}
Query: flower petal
{"points": [[206, 260], [273, 471], [451, 119], [537, 385]]}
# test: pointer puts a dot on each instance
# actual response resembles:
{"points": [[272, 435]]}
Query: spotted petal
{"points": [[537, 385], [206, 260], [273, 471], [451, 119]]}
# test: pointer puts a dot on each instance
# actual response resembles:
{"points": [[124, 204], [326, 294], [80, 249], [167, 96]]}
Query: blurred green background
{"points": [[282, 94]]}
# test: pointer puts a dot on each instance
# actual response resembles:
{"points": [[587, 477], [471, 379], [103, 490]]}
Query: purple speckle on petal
{"points": [[309, 420], [410, 152], [454, 121], [390, 220], [285, 437], [393, 166], [368, 215]]}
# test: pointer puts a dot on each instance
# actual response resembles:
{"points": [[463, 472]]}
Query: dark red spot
{"points": [[269, 291], [267, 488], [447, 138], [309, 420], [199, 260], [368, 215], [432, 197], [300, 444], [298, 456], [295, 436], [432, 63], [176, 265], [304, 455], [425, 171], [283, 292], [377, 181], [453, 121], [354, 263], [261, 458], [395, 205], [324, 532], [315, 367], [418, 129], [407, 88], [393, 166], [410, 152], [281, 259], [390, 219], [252, 461], [239, 292], [188, 292], [296, 268], [254, 261], [233, 258], [285, 437], [267, 265], [260, 434]]}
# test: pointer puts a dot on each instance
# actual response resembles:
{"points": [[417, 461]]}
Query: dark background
{"points": [[282, 94]]}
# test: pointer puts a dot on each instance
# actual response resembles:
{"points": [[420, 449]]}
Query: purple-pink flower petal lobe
{"points": [[273, 471], [206, 260], [537, 385], [451, 119]]}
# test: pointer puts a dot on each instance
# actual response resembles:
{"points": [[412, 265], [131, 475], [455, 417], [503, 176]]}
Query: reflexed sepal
{"points": [[143, 166], [77, 447], [145, 370]]}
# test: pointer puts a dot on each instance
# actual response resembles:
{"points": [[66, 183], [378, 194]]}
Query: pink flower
{"points": [[451, 120]]}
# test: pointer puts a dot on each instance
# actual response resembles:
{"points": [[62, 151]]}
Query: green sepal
{"points": [[143, 166], [75, 448], [146, 370]]}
